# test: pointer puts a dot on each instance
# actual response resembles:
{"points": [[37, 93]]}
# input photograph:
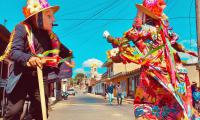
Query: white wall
{"points": [[193, 74], [99, 88]]}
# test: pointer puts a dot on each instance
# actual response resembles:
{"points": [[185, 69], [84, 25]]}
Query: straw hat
{"points": [[35, 6], [153, 8]]}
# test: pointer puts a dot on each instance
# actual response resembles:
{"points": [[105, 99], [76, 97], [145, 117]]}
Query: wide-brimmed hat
{"points": [[35, 6], [152, 8]]}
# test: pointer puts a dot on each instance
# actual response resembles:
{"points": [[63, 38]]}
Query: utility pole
{"points": [[198, 33]]}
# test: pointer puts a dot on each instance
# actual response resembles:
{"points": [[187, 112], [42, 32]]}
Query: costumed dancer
{"points": [[33, 45], [164, 91]]}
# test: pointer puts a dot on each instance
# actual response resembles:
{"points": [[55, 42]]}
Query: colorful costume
{"points": [[164, 92]]}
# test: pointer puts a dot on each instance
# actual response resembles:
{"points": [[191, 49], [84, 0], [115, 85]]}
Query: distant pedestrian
{"points": [[119, 93], [194, 89], [110, 89], [64, 89], [196, 99], [64, 85]]}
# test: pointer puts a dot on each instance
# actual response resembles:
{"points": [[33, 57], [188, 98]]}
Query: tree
{"points": [[79, 78], [71, 81]]}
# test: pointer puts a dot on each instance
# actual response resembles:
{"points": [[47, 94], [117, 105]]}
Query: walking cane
{"points": [[42, 95], [41, 85]]}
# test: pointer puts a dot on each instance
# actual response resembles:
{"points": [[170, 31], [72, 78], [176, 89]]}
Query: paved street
{"points": [[90, 107]]}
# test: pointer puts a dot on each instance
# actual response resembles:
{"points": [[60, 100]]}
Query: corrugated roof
{"points": [[4, 34], [4, 38], [125, 73], [120, 75], [107, 63]]}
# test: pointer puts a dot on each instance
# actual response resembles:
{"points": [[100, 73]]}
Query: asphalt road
{"points": [[90, 107]]}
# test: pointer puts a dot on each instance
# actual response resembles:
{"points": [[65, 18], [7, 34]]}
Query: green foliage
{"points": [[79, 77]]}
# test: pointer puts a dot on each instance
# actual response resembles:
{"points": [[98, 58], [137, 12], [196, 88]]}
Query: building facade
{"points": [[126, 74], [193, 73]]}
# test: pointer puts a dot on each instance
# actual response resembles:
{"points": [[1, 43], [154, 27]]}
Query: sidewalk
{"points": [[126, 100], [52, 102]]}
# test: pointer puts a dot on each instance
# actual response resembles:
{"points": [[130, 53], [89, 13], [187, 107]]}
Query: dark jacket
{"points": [[110, 89], [21, 53]]}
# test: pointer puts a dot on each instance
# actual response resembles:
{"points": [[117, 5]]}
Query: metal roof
{"points": [[4, 38]]}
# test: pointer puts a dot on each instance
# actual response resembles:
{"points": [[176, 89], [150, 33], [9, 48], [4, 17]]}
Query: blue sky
{"points": [[82, 22]]}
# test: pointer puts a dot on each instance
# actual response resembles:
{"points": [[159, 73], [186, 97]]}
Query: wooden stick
{"points": [[42, 95]]}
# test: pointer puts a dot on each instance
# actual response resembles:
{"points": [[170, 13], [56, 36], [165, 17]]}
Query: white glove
{"points": [[106, 34]]}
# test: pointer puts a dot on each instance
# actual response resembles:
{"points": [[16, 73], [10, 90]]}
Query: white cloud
{"points": [[192, 60], [79, 70], [91, 62], [189, 44], [184, 55], [189, 59]]}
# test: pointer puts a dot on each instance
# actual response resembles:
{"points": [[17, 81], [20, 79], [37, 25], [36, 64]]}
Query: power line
{"points": [[96, 12], [82, 11], [91, 17], [182, 18], [120, 11], [71, 19], [86, 19], [114, 19], [125, 19], [106, 22], [94, 30]]}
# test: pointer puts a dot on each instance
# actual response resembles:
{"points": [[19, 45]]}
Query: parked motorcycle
{"points": [[65, 95]]}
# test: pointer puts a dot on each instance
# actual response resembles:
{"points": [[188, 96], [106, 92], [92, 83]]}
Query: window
{"points": [[137, 80], [110, 71], [133, 85], [123, 85]]}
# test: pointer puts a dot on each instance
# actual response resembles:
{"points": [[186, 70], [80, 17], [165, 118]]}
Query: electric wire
{"points": [[92, 16]]}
